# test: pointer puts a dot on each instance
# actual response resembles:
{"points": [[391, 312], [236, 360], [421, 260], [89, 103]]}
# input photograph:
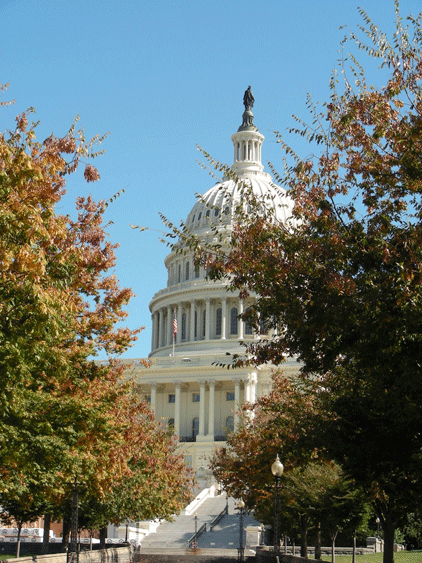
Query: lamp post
{"points": [[241, 507], [73, 551], [277, 469]]}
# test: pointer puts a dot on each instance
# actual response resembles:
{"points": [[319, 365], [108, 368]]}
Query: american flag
{"points": [[174, 326]]}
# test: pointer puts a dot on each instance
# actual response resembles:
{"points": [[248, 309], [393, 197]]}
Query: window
{"points": [[196, 324], [170, 423], [230, 396], [204, 321], [248, 327], [148, 399], [263, 329], [179, 276], [187, 271], [184, 326], [218, 320], [229, 424], [233, 320], [195, 427], [199, 216], [158, 332], [195, 397], [172, 398], [196, 271], [208, 213]]}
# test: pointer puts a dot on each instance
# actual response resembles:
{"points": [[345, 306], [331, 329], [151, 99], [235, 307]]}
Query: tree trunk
{"points": [[303, 522], [103, 535], [66, 530], [18, 543], [318, 542], [46, 534], [389, 530], [333, 547], [354, 548]]}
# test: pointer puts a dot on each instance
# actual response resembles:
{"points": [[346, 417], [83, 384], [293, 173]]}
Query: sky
{"points": [[163, 77]]}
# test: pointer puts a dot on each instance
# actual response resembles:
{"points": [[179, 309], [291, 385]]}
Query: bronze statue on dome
{"points": [[248, 99]]}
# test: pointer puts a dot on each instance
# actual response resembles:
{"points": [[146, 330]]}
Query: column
{"points": [[211, 415], [177, 386], [207, 318], [236, 402], [161, 327], [241, 323], [154, 330], [247, 387], [169, 328], [192, 320], [153, 396], [202, 383], [253, 379], [223, 318]]}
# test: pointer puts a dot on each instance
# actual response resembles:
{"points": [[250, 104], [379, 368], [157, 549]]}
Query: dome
{"points": [[219, 205], [195, 315]]}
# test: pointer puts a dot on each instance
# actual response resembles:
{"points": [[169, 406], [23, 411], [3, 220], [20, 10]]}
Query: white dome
{"points": [[207, 316], [219, 204]]}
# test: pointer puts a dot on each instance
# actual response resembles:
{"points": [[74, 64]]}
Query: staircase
{"points": [[225, 535]]}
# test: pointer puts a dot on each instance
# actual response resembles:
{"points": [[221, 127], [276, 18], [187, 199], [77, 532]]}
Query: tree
{"points": [[63, 414], [157, 483], [340, 285], [313, 489]]}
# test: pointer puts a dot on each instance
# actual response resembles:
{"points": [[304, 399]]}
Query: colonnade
{"points": [[198, 319], [247, 150], [207, 396]]}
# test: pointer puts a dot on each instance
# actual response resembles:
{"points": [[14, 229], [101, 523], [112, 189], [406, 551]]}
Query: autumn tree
{"points": [[154, 469], [61, 413], [340, 285], [313, 488]]}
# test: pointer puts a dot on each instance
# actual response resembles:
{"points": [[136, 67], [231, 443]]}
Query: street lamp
{"points": [[241, 507], [277, 469], [73, 548]]}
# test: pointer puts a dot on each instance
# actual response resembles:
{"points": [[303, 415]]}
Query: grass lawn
{"points": [[399, 557]]}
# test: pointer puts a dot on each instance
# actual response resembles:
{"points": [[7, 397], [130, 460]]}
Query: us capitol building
{"points": [[184, 384]]}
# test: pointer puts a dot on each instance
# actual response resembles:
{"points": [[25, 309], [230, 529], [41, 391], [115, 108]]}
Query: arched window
{"points": [[187, 271], [196, 271], [233, 320], [229, 424], [248, 327], [218, 319], [183, 326], [179, 276], [195, 427]]}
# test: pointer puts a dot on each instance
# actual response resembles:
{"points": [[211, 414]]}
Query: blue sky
{"points": [[162, 77]]}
